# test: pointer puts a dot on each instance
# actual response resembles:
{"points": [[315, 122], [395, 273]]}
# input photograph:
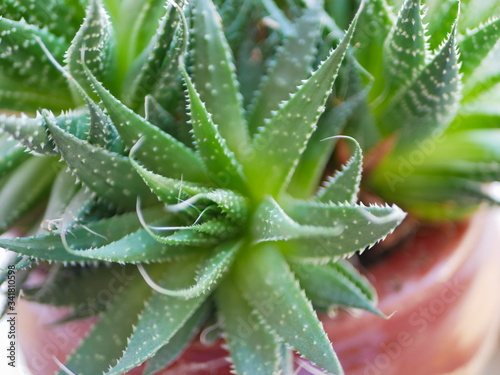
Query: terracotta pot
{"points": [[441, 290]]}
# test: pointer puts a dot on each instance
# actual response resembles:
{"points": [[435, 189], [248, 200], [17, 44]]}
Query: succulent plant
{"points": [[195, 145], [432, 137]]}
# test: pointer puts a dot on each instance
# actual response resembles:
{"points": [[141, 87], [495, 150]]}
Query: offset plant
{"points": [[428, 104], [214, 209]]}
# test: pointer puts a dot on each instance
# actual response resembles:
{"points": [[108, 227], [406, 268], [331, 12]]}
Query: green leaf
{"points": [[424, 108], [277, 147], [159, 151], [61, 18], [138, 247], [405, 49], [102, 132], [254, 350], [212, 269], [357, 227], [374, 25], [160, 117], [336, 283], [62, 193], [215, 78], [21, 58], [25, 187], [435, 197], [271, 223], [314, 160], [17, 97], [11, 154], [93, 234], [95, 42], [220, 161], [173, 349], [476, 45], [273, 292], [59, 288], [177, 191], [292, 64], [107, 339], [440, 15], [109, 175], [162, 317], [147, 70], [285, 25], [33, 134], [344, 186]]}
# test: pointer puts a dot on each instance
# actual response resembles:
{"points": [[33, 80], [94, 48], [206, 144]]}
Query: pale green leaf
{"points": [[271, 223], [215, 78], [271, 289], [224, 169], [336, 283], [94, 42], [159, 151], [424, 108], [357, 227], [11, 153], [109, 175], [107, 339], [277, 147], [291, 65], [476, 44], [24, 189], [405, 49], [161, 317], [344, 185], [246, 336], [173, 349]]}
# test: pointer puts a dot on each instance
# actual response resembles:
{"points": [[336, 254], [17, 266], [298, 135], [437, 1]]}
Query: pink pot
{"points": [[441, 291]]}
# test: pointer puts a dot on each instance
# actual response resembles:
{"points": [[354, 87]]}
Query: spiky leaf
{"points": [[277, 147], [220, 161], [50, 247], [427, 106], [159, 151], [109, 175], [271, 223], [107, 339], [291, 65], [344, 186], [95, 43], [477, 44], [254, 350], [405, 50], [161, 317], [171, 351], [215, 78], [275, 294], [336, 283], [357, 227]]}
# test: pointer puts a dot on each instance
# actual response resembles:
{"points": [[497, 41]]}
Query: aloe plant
{"points": [[426, 109], [194, 141]]}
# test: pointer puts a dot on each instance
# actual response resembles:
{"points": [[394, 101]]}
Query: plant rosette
{"points": [[190, 157], [441, 321]]}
